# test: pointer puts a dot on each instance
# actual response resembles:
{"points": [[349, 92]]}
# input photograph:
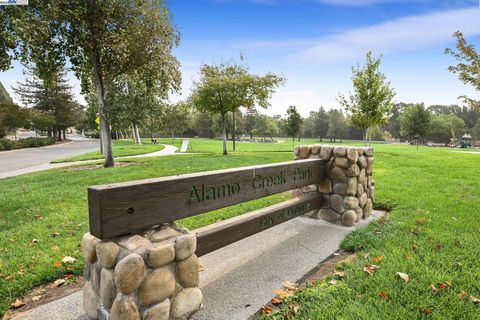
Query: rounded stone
{"points": [[362, 200], [342, 162], [108, 290], [157, 286], [362, 162], [371, 192], [304, 152], [325, 201], [336, 202], [352, 155], [160, 311], [352, 186], [337, 174], [329, 215], [315, 149], [186, 301], [187, 272], [129, 273], [368, 151], [185, 246], [362, 177], [370, 165], [367, 210], [297, 151], [88, 247], [359, 212], [96, 276], [349, 217], [361, 189], [350, 202], [369, 181], [326, 152], [134, 242], [107, 253], [91, 301], [325, 186], [163, 234], [340, 188], [160, 254], [353, 171], [124, 308], [340, 151]]}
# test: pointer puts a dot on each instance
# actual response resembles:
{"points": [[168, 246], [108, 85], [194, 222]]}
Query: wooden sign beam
{"points": [[220, 234], [130, 207]]}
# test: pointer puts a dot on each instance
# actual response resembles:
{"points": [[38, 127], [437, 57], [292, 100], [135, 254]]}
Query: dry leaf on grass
{"points": [[290, 285], [332, 282], [281, 293], [370, 268], [266, 309], [68, 259], [58, 283], [474, 299], [366, 255], [276, 301], [462, 295], [36, 298], [378, 259], [403, 276], [57, 264], [414, 246], [383, 295], [18, 304], [339, 274]]}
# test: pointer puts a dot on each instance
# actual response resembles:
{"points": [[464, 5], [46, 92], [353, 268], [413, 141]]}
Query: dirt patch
{"points": [[98, 166], [326, 267], [44, 294]]}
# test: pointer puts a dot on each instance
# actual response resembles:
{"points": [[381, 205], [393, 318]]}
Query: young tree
{"points": [[415, 122], [321, 123], [468, 67], [176, 118], [226, 87], [250, 120], [294, 123], [371, 101], [102, 40], [337, 125]]}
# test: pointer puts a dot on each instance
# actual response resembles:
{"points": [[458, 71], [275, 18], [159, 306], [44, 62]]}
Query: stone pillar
{"points": [[153, 275], [348, 190]]}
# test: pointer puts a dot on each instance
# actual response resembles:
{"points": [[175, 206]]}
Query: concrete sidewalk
{"points": [[240, 278]]}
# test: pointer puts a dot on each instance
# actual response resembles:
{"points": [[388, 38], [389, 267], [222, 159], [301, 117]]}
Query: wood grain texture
{"points": [[220, 234], [124, 208]]}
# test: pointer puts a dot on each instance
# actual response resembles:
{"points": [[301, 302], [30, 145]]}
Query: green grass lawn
{"points": [[121, 148], [434, 192]]}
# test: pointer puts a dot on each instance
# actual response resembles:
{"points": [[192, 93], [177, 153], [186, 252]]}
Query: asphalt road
{"points": [[33, 157]]}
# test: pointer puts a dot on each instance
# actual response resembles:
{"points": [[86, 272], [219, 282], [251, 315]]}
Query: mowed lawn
{"points": [[434, 193]]}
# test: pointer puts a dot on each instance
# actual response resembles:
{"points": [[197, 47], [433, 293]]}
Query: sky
{"points": [[315, 43]]}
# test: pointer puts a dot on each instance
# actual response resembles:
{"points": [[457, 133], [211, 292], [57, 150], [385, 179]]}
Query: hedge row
{"points": [[31, 142]]}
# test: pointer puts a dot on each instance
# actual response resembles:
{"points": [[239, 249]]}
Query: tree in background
{"points": [[102, 40], [337, 125], [226, 87], [393, 124], [371, 102], [202, 125], [4, 96], [294, 123], [468, 67], [321, 123], [12, 117], [445, 128], [251, 117], [176, 118], [415, 122]]}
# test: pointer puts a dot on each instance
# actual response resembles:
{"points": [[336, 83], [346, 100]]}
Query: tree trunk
{"points": [[106, 139], [137, 133], [233, 131], [64, 134], [173, 136], [251, 135], [224, 135]]}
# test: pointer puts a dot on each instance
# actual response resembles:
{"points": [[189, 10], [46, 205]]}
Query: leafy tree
{"points": [[468, 67], [202, 124], [294, 123], [12, 117], [415, 122], [102, 40], [337, 125], [321, 123], [445, 128], [4, 96], [468, 114], [176, 118], [250, 120], [41, 121], [393, 125], [226, 87], [371, 101]]}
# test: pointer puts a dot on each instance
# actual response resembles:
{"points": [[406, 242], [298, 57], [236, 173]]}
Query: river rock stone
{"points": [[370, 165], [187, 272], [315, 149], [362, 162], [325, 201], [186, 301], [96, 276], [124, 308], [342, 162], [163, 234], [103, 314], [352, 186], [325, 186], [368, 151], [134, 242], [160, 254], [337, 174], [157, 286], [340, 151], [297, 151], [361, 189], [359, 212], [107, 252], [91, 301], [340, 188], [362, 200], [88, 247], [352, 155], [371, 192], [185, 246], [87, 271], [350, 202], [367, 210], [349, 217], [304, 152], [326, 152], [369, 181], [129, 273], [329, 215], [336, 202], [353, 171], [362, 177], [160, 311], [108, 290]]}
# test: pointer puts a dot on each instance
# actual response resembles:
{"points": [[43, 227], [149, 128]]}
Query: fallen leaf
{"points": [[68, 259], [370, 268], [332, 282], [281, 293], [34, 241], [57, 283], [462, 295], [438, 247], [18, 304], [21, 271], [383, 295], [68, 276], [444, 285], [276, 301], [414, 246], [54, 248], [339, 274], [403, 276], [8, 278], [378, 259], [425, 310], [474, 299], [266, 309], [421, 220], [366, 255], [57, 264], [434, 289], [290, 285], [55, 234], [38, 217], [36, 298]]}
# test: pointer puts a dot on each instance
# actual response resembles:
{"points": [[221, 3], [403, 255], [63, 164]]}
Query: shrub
{"points": [[31, 142]]}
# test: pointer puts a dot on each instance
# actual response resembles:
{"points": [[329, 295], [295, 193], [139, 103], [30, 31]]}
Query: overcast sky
{"points": [[314, 44]]}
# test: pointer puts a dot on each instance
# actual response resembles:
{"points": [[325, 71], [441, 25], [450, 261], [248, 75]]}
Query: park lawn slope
{"points": [[121, 148], [44, 215], [432, 235]]}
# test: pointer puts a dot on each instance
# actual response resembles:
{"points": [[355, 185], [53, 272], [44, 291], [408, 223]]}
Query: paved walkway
{"points": [[167, 150], [240, 278]]}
